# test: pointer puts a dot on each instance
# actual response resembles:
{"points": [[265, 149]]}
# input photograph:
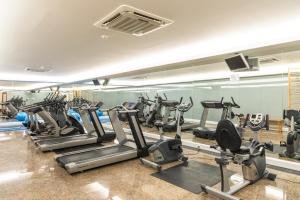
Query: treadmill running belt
{"points": [[191, 177], [204, 132], [78, 148], [65, 139], [97, 153], [205, 129]]}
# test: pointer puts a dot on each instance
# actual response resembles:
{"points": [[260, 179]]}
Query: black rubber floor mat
{"points": [[78, 148], [191, 176]]}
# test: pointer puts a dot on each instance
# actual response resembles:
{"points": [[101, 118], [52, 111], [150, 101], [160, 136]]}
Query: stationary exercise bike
{"points": [[166, 151], [292, 143], [252, 158]]}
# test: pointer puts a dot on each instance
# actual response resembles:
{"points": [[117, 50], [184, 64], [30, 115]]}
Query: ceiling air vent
{"points": [[38, 69], [267, 60], [133, 21]]}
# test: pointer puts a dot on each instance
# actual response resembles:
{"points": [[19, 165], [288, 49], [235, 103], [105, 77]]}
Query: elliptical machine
{"points": [[292, 143], [180, 110], [168, 107], [140, 106], [154, 110], [252, 158], [170, 150], [158, 110]]}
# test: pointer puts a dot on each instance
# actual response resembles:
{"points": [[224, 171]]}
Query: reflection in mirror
{"points": [[265, 91]]}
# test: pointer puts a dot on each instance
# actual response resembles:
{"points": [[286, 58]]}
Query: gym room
{"points": [[149, 100]]}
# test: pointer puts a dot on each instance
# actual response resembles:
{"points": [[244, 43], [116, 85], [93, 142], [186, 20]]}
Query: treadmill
{"points": [[95, 133], [51, 124], [202, 131], [125, 149], [209, 133]]}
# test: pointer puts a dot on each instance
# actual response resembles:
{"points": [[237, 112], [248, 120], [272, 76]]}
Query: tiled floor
{"points": [[26, 173]]}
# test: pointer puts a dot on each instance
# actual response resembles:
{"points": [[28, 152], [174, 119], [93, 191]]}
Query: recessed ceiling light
{"points": [[104, 37], [38, 69]]}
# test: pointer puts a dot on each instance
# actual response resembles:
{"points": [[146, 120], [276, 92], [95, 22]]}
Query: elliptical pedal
{"points": [[271, 176]]}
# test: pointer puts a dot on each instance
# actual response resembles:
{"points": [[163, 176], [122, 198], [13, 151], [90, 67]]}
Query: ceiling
{"points": [[60, 35], [22, 85], [208, 71]]}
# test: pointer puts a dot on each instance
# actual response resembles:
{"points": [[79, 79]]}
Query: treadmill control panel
{"points": [[212, 104]]}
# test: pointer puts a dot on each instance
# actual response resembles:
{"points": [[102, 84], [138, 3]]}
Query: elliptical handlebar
{"points": [[234, 104], [62, 97], [166, 98], [148, 102], [180, 101], [53, 97], [99, 104], [192, 102], [160, 97], [184, 107], [222, 100], [47, 96], [56, 98]]}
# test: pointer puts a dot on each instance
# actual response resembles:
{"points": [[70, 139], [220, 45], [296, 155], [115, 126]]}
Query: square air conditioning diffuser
{"points": [[133, 21]]}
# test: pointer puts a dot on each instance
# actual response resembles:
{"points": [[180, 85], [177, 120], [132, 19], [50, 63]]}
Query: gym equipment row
{"points": [[11, 106], [227, 136]]}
